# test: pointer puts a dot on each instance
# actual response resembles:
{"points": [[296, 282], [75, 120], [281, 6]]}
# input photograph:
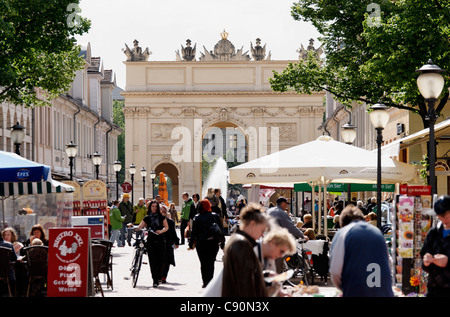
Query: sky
{"points": [[164, 25]]}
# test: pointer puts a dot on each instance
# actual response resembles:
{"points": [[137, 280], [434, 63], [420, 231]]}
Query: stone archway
{"points": [[222, 139], [172, 172]]}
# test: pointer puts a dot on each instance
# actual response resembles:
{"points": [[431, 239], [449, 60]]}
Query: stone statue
{"points": [[136, 54], [224, 51], [259, 52], [187, 53], [303, 53]]}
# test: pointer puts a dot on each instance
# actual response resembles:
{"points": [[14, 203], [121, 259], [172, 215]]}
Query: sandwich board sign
{"points": [[69, 263]]}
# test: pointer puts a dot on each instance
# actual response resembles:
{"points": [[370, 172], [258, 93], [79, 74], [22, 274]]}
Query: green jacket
{"points": [[186, 209], [140, 212], [115, 218]]}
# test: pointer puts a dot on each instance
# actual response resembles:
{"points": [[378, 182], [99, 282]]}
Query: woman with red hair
{"points": [[206, 240]]}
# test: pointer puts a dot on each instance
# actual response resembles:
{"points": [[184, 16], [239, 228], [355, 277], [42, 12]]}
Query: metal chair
{"points": [[36, 257], [5, 266], [98, 254], [106, 267]]}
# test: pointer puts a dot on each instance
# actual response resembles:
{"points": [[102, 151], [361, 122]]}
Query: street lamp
{"points": [[143, 174], [379, 118], [71, 151], [132, 170], [153, 176], [348, 133], [17, 136], [117, 165], [97, 160], [430, 83]]}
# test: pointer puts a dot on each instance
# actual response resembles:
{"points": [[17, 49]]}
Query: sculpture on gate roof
{"points": [[136, 54], [187, 53], [303, 53], [259, 52]]}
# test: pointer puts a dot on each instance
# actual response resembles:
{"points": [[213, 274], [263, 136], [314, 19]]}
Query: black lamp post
{"points": [[153, 176], [430, 83], [17, 136], [379, 118], [71, 151], [97, 160], [117, 167], [143, 174], [132, 172]]}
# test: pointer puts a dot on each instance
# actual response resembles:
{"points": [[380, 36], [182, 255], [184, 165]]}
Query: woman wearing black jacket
{"points": [[157, 224], [205, 241]]}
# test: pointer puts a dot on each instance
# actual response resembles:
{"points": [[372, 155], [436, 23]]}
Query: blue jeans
{"points": [[115, 236], [126, 230]]}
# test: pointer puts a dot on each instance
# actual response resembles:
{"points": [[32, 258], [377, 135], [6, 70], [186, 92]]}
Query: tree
{"points": [[119, 119], [38, 48], [371, 56]]}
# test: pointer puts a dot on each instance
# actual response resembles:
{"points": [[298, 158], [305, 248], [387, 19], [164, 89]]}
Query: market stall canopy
{"points": [[19, 176], [319, 160], [14, 168]]}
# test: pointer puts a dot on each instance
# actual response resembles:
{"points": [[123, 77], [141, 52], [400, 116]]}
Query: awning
{"points": [[343, 187], [30, 188], [393, 149]]}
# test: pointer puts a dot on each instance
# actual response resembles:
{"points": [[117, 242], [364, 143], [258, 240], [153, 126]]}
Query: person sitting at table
{"points": [[37, 231], [310, 234], [307, 221]]}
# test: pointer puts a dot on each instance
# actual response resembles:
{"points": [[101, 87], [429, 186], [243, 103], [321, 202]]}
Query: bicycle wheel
{"points": [[137, 262], [308, 273]]}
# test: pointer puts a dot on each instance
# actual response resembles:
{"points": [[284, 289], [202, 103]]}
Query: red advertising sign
{"points": [[126, 187], [68, 262], [415, 190]]}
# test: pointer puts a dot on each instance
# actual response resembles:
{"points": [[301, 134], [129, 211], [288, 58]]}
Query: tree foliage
{"points": [[119, 119], [372, 55], [38, 48]]}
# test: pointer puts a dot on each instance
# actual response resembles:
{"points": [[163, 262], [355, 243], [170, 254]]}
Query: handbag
{"points": [[187, 233], [215, 231]]}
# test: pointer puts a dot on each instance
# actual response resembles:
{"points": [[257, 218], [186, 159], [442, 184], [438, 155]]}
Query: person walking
{"points": [[126, 210], [157, 224], [185, 211], [222, 205], [172, 243], [139, 212], [205, 240], [436, 251], [214, 200], [116, 220], [242, 270], [359, 259], [173, 213]]}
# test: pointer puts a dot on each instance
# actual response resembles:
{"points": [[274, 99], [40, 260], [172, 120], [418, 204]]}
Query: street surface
{"points": [[184, 279]]}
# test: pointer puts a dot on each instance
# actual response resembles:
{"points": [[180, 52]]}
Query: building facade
{"points": [[83, 115], [178, 113]]}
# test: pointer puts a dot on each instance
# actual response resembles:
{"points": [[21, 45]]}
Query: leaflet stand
{"points": [[412, 222]]}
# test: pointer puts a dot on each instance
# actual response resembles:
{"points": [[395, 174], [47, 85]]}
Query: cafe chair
{"points": [[98, 254], [5, 266], [106, 267], [36, 257]]}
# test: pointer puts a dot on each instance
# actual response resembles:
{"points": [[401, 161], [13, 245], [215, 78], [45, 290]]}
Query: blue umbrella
{"points": [[14, 168]]}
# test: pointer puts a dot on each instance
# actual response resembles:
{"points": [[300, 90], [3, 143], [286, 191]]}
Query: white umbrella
{"points": [[320, 162], [323, 159]]}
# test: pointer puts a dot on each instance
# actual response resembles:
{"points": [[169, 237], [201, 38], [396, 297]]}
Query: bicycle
{"points": [[300, 264], [138, 255]]}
